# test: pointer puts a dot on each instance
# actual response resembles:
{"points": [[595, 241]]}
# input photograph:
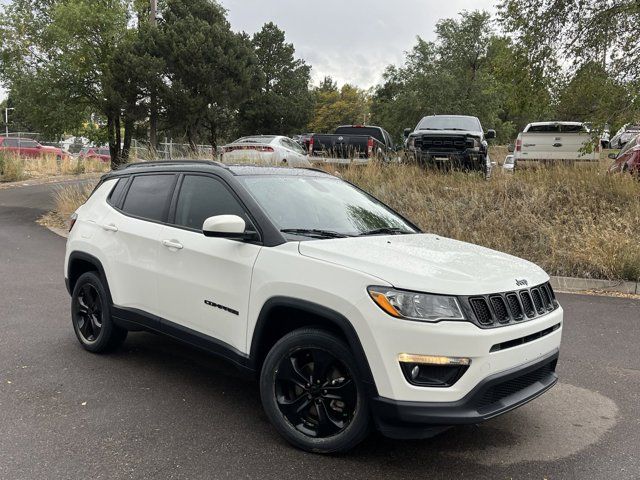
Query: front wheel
{"points": [[91, 315], [312, 394]]}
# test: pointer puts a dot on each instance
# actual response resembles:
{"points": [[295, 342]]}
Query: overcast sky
{"points": [[350, 40]]}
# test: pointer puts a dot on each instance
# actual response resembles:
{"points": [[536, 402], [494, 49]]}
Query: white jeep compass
{"points": [[350, 317]]}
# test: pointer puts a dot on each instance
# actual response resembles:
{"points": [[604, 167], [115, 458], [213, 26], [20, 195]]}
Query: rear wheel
{"points": [[311, 393], [91, 315]]}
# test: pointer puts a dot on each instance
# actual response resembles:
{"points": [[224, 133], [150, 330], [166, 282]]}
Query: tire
{"points": [[327, 420], [91, 315]]}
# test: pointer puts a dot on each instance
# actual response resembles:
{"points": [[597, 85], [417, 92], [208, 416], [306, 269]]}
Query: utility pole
{"points": [[153, 107], [6, 120]]}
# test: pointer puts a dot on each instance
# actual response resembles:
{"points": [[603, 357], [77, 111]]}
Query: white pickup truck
{"points": [[555, 141]]}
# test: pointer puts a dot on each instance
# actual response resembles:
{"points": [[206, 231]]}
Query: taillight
{"points": [[72, 220], [370, 147], [311, 146], [518, 145]]}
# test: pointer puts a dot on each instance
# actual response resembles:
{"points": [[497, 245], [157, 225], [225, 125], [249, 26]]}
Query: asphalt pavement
{"points": [[157, 409]]}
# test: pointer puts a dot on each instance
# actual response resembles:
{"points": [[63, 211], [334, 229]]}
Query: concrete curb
{"points": [[569, 284]]}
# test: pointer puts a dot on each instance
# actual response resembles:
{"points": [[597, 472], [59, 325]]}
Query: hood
{"points": [[428, 263]]}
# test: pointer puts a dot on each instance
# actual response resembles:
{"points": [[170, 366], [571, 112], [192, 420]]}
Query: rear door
{"points": [[204, 282], [130, 238]]}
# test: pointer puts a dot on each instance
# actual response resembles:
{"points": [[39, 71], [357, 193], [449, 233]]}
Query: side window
{"points": [[149, 196], [202, 197], [116, 193], [10, 142]]}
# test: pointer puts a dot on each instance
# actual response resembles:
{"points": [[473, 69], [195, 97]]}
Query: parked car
{"points": [[98, 153], [303, 140], [26, 147], [353, 142], [509, 164], [628, 160], [265, 149], [545, 142], [348, 314], [450, 142], [622, 136]]}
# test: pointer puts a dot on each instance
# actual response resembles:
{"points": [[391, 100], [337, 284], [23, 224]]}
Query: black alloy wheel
{"points": [[87, 313], [91, 315], [315, 392], [312, 391]]}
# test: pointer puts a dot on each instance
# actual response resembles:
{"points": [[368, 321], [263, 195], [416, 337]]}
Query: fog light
{"points": [[431, 370], [433, 360]]}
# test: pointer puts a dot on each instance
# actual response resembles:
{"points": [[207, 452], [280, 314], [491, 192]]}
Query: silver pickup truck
{"points": [[556, 141]]}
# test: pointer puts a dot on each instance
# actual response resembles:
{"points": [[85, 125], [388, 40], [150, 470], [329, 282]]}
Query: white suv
{"points": [[347, 313]]}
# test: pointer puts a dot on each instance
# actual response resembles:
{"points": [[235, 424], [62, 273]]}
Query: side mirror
{"points": [[490, 134], [613, 156], [227, 226], [407, 132]]}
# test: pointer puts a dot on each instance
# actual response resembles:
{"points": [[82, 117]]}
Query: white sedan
{"points": [[265, 150]]}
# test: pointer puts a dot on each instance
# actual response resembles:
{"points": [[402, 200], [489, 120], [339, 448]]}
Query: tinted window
{"points": [[148, 196], [203, 197], [449, 123], [10, 142], [24, 143], [116, 194]]}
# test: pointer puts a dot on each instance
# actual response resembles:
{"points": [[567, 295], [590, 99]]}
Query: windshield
{"points": [[321, 203], [450, 123]]}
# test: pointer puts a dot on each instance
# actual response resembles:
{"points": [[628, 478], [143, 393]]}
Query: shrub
{"points": [[11, 168]]}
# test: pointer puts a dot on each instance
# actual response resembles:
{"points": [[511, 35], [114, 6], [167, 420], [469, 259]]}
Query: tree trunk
{"points": [[114, 145]]}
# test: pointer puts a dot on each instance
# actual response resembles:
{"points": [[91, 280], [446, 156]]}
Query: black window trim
{"points": [[171, 218], [124, 195]]}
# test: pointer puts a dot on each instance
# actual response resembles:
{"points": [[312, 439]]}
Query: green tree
{"points": [[283, 102], [211, 71], [348, 105], [66, 60]]}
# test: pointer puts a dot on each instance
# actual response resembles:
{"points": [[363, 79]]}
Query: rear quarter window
{"points": [[149, 196]]}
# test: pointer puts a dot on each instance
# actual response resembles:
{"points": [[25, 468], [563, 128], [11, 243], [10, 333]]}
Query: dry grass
{"points": [[15, 168], [11, 168], [66, 200], [575, 222]]}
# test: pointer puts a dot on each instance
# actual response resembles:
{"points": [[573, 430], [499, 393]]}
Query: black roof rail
{"points": [[162, 163]]}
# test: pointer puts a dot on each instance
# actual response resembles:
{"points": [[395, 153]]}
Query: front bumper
{"points": [[495, 395]]}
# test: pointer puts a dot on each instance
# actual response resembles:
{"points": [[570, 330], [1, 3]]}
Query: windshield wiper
{"points": [[314, 232], [385, 231]]}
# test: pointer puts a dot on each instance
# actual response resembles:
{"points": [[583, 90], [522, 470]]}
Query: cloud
{"points": [[353, 41]]}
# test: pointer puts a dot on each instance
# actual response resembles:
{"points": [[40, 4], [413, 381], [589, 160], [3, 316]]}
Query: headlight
{"points": [[416, 306]]}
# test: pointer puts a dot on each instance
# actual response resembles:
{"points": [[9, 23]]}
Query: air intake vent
{"points": [[537, 300], [514, 306], [500, 309], [527, 304], [481, 309]]}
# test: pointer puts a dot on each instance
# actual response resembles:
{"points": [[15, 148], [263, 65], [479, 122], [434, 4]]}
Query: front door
{"points": [[204, 283]]}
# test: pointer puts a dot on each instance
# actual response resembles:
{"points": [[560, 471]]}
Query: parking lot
{"points": [[156, 409]]}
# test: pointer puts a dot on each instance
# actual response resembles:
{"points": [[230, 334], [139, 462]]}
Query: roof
{"points": [[212, 166], [556, 123]]}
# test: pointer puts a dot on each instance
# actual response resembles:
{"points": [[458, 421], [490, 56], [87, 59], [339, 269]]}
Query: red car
{"points": [[99, 153], [25, 147], [628, 160]]}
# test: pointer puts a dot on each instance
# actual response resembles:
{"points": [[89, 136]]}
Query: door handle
{"points": [[172, 244], [110, 228]]}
